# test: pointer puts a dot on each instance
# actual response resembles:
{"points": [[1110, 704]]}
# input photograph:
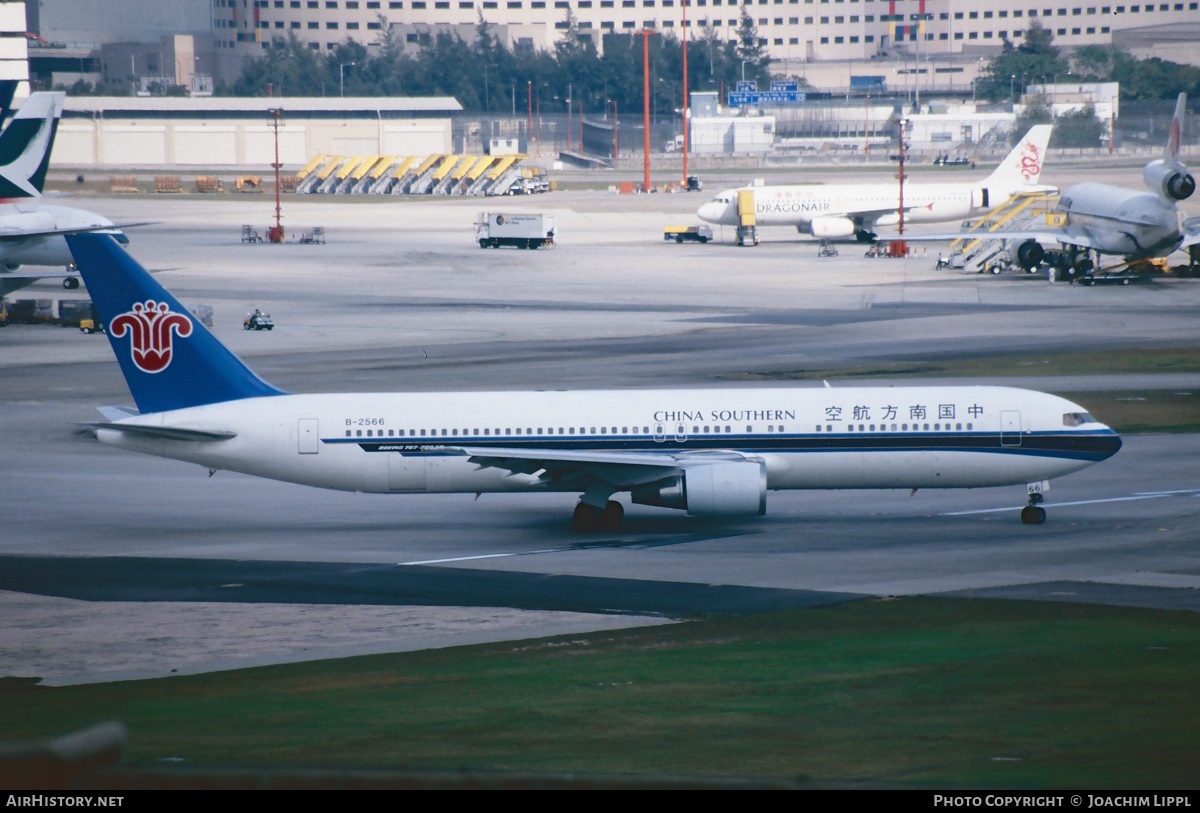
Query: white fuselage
{"points": [[867, 206], [807, 438], [25, 232], [1122, 221]]}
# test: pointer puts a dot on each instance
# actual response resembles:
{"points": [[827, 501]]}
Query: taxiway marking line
{"points": [[479, 556], [1149, 496]]}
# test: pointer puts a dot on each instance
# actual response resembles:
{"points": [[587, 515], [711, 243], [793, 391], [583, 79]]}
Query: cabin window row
{"points": [[509, 431], [497, 432]]}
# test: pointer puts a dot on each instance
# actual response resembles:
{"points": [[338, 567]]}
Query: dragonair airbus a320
{"points": [[840, 211], [709, 452]]}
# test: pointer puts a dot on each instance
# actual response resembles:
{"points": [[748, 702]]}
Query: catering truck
{"points": [[522, 231]]}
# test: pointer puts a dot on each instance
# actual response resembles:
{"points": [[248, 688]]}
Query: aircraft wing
{"points": [[615, 468], [25, 234], [1080, 239], [1191, 232], [869, 215]]}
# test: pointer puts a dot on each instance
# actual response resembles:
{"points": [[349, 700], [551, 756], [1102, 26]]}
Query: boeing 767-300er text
{"points": [[840, 211], [710, 452]]}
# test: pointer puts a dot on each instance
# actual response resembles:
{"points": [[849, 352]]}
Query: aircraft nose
{"points": [[710, 212], [1108, 445]]}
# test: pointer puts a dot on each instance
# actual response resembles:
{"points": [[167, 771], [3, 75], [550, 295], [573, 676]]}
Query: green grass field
{"points": [[906, 692], [1127, 411], [1135, 360]]}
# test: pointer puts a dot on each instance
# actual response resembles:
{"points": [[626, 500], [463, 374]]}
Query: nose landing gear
{"points": [[1034, 514]]}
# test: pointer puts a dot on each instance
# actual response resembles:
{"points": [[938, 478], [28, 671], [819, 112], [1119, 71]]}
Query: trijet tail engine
{"points": [[1170, 180]]}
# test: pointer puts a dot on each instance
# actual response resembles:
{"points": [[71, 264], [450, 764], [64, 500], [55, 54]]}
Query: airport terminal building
{"points": [[132, 131], [792, 31]]}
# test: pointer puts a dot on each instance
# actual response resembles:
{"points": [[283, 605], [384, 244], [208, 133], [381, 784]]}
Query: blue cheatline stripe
{"points": [[1075, 445]]}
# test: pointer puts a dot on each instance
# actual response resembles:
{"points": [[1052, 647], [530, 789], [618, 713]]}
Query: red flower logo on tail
{"points": [[149, 326]]}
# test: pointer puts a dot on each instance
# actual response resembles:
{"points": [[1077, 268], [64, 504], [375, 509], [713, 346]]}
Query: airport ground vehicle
{"points": [[694, 184], [1097, 277], [91, 325], [258, 321], [955, 161], [699, 234], [523, 231]]}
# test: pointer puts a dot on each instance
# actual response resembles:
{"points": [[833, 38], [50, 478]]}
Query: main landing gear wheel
{"points": [[1034, 514], [70, 283], [590, 518]]}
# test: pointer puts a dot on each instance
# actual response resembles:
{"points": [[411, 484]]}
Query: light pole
{"points": [[342, 76], [683, 11], [744, 61], [487, 104], [1010, 90], [616, 143], [538, 140]]}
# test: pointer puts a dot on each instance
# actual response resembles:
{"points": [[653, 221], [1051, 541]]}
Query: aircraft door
{"points": [[680, 433], [660, 434], [1010, 428], [308, 436]]}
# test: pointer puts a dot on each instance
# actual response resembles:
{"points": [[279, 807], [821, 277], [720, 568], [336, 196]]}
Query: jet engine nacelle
{"points": [[1170, 180], [832, 228], [727, 489], [1029, 254]]}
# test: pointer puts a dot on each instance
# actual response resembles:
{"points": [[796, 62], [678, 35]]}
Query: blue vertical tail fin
{"points": [[169, 358]]}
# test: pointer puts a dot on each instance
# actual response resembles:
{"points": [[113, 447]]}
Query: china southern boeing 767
{"points": [[709, 452]]}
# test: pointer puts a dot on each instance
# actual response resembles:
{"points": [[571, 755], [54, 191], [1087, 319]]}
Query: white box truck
{"points": [[522, 231]]}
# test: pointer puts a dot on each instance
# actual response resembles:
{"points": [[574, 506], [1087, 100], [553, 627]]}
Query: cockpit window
{"points": [[1077, 418]]}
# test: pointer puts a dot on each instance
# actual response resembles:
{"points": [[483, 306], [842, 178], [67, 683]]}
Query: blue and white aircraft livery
{"points": [[709, 452], [840, 211], [30, 229]]}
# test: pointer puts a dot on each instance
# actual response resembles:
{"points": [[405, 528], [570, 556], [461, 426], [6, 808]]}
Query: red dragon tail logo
{"points": [[1173, 139], [1031, 162], [150, 326]]}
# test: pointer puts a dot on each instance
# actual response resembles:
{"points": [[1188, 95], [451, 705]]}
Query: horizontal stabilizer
{"points": [[117, 413], [166, 432]]}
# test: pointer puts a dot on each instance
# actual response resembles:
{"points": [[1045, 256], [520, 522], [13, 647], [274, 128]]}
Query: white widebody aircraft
{"points": [[31, 230], [709, 452], [1112, 220], [840, 211]]}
